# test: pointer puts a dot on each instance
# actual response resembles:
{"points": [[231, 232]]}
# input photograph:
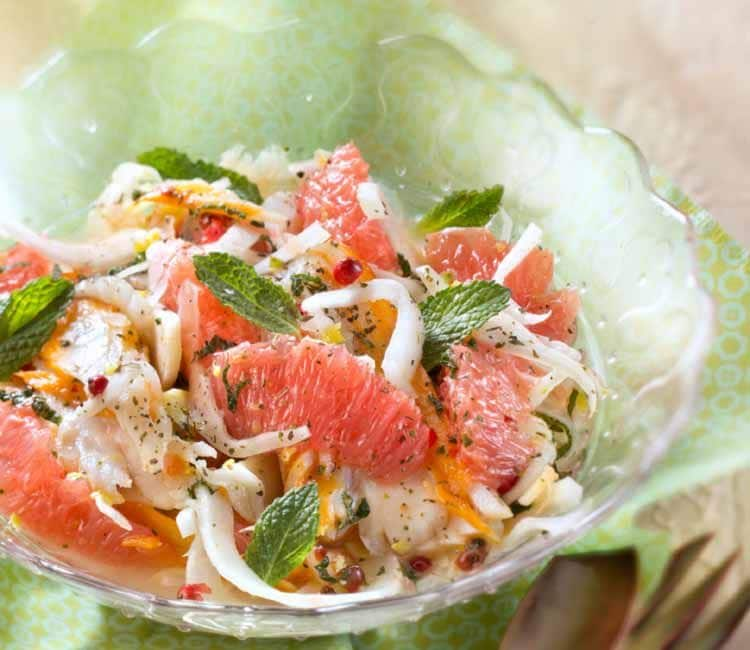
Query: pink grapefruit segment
{"points": [[52, 507], [474, 253], [486, 399], [352, 412], [329, 196], [19, 265], [211, 317]]}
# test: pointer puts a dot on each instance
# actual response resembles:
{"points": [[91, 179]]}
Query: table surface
{"points": [[671, 75]]}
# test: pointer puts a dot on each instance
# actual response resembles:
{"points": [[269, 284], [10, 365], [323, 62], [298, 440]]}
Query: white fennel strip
{"points": [[312, 236], [529, 239]]}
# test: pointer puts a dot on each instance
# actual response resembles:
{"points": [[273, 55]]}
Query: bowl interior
{"points": [[427, 120]]}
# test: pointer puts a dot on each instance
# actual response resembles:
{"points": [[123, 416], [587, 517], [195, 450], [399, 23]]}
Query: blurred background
{"points": [[671, 74]]}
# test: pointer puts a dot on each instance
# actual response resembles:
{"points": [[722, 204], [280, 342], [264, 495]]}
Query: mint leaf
{"points": [[171, 163], [216, 344], [284, 534], [239, 287], [452, 314], [465, 208], [302, 281], [27, 319]]}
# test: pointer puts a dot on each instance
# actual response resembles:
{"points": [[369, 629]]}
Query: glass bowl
{"points": [[428, 119]]}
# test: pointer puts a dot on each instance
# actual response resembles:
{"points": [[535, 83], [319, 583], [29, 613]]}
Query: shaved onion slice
{"points": [[116, 250], [488, 504], [216, 530], [244, 488], [186, 522], [404, 351], [312, 236], [376, 207], [543, 387], [535, 469], [529, 239], [162, 336], [237, 241], [414, 287], [431, 279], [104, 506]]}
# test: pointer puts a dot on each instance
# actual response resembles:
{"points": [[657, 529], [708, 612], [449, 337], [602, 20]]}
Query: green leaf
{"points": [[452, 314], [465, 208], [284, 534], [404, 265], [27, 319], [171, 163], [248, 294], [579, 602], [306, 281]]}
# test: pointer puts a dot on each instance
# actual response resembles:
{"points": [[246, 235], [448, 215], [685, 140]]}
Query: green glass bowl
{"points": [[126, 76]]}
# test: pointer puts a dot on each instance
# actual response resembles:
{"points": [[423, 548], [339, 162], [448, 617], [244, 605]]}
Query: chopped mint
{"points": [[404, 265], [572, 401], [353, 515], [322, 569], [233, 392], [465, 208], [27, 319], [284, 534], [454, 313], [560, 433], [171, 163], [238, 286], [216, 344], [28, 397], [307, 281]]}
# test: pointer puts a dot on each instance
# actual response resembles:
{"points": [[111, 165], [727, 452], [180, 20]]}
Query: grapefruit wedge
{"points": [[329, 196], [352, 412], [19, 265], [486, 398], [474, 253]]}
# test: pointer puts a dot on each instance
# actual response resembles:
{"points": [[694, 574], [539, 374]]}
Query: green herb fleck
{"points": [[572, 401], [436, 403], [216, 344], [409, 572], [306, 281], [465, 208], [468, 442], [238, 286], [28, 397], [284, 534], [174, 164], [27, 319], [560, 433], [404, 265], [353, 515], [322, 569], [233, 392], [452, 314]]}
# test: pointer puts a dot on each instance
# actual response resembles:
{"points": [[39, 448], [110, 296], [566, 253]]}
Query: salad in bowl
{"points": [[257, 382]]}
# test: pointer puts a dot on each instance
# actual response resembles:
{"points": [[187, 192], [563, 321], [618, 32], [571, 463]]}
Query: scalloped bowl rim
{"points": [[487, 580]]}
